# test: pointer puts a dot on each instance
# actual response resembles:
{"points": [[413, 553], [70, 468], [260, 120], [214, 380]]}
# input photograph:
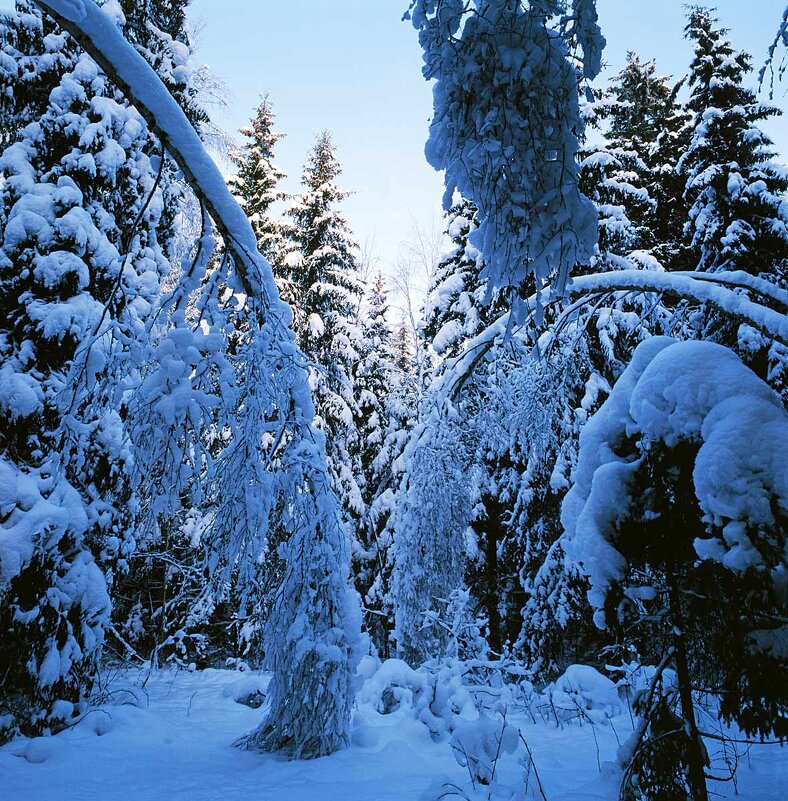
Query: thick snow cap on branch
{"points": [[672, 392], [99, 34], [505, 130]]}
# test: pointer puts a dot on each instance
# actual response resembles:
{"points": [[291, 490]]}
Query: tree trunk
{"points": [[696, 760]]}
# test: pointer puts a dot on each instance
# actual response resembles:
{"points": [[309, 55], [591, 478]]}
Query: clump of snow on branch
{"points": [[505, 127], [672, 392]]}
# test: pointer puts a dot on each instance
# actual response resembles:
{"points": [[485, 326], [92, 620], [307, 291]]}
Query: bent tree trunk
{"points": [[322, 610]]}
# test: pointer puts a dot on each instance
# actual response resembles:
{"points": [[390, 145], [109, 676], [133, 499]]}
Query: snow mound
{"points": [[250, 691], [583, 689]]}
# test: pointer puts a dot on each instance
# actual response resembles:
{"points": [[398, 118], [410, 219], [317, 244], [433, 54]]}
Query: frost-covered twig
{"points": [[533, 765]]}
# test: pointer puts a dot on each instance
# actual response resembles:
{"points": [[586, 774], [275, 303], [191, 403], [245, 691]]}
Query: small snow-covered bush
{"points": [[435, 696], [479, 744], [582, 689], [251, 690]]}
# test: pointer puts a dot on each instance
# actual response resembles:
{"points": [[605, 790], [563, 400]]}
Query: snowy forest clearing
{"points": [[172, 741], [217, 449]]}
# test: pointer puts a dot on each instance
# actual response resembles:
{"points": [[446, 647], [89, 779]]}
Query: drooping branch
{"points": [[99, 36], [687, 286], [312, 647], [723, 291]]}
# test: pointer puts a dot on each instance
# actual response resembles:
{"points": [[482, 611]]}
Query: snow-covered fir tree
{"points": [[81, 271], [678, 543], [375, 377], [646, 121], [322, 268], [257, 180], [735, 189], [456, 306]]}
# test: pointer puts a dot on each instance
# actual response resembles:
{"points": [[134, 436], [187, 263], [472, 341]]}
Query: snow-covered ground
{"points": [[173, 740]]}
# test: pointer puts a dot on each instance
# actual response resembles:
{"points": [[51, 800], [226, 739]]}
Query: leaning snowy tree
{"points": [[311, 646], [505, 131]]}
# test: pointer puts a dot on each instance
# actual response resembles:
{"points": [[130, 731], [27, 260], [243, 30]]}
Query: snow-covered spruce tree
{"points": [[645, 123], [614, 178], [256, 183], [322, 269], [457, 307], [738, 218], [677, 515], [375, 378], [317, 631], [36, 54], [506, 132], [735, 189], [645, 118], [80, 269]]}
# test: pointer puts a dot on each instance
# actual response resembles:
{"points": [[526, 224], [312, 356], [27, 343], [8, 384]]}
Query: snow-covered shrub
{"points": [[460, 627], [583, 690], [250, 691], [435, 696], [479, 744]]}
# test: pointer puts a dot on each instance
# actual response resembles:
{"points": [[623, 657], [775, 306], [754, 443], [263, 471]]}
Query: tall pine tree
{"points": [[257, 180], [322, 268]]}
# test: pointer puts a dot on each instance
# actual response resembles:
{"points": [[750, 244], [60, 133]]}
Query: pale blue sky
{"points": [[353, 67]]}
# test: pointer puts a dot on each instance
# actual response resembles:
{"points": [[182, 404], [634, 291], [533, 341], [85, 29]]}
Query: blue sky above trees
{"points": [[352, 66]]}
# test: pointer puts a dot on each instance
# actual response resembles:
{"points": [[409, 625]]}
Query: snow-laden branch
{"points": [[100, 37], [685, 286], [311, 644], [724, 291]]}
